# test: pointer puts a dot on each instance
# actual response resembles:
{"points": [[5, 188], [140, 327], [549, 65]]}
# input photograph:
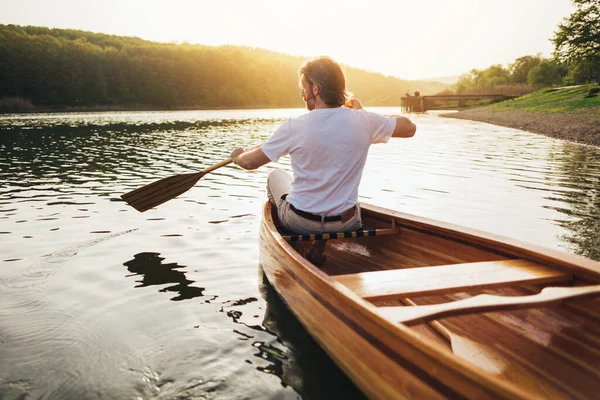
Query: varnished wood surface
{"points": [[401, 283], [509, 354], [582, 266], [385, 360], [535, 366], [163, 190], [552, 351], [486, 303]]}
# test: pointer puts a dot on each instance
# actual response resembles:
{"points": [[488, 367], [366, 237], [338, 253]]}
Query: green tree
{"points": [[519, 70], [577, 41], [64, 67], [466, 81], [548, 73], [578, 72], [493, 76]]}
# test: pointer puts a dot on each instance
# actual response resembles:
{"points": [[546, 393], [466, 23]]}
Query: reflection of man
{"points": [[328, 148]]}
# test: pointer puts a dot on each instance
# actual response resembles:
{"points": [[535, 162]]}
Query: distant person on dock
{"points": [[417, 93], [408, 93], [328, 148]]}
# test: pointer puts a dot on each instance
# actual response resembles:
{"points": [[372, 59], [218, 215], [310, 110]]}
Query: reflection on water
{"points": [[153, 272], [581, 166], [294, 357], [73, 322]]}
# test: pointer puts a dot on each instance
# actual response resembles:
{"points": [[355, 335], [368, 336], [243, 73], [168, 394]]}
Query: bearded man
{"points": [[328, 147]]}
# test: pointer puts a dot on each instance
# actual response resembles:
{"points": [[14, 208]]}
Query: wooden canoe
{"points": [[542, 341]]}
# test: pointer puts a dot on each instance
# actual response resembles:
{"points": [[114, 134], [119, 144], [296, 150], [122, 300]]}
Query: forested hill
{"points": [[57, 67]]}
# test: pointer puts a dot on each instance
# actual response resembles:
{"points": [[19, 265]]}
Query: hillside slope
{"points": [[58, 67]]}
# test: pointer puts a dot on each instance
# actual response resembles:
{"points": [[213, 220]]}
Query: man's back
{"points": [[328, 148]]}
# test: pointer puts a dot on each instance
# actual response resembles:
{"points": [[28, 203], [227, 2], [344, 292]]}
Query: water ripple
{"points": [[82, 314]]}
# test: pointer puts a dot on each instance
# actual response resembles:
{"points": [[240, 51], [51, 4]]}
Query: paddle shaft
{"points": [[224, 162], [159, 192], [216, 166], [486, 302]]}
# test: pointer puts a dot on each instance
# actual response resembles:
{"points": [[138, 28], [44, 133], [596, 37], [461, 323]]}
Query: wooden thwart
{"points": [[410, 282], [486, 303]]}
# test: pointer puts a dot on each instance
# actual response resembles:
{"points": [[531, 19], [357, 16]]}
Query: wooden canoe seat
{"points": [[365, 231], [410, 282]]}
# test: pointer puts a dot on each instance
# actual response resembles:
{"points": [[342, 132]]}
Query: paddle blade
{"points": [[159, 192]]}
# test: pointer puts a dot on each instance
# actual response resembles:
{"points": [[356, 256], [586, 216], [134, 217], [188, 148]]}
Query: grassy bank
{"points": [[570, 113]]}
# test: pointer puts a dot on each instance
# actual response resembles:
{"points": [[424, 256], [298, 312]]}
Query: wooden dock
{"points": [[449, 102]]}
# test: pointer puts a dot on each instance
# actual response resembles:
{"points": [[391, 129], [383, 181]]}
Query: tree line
{"points": [[576, 59], [524, 75], [61, 67]]}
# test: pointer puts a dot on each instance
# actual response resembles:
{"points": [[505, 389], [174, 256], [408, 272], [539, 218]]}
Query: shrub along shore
{"points": [[569, 113]]}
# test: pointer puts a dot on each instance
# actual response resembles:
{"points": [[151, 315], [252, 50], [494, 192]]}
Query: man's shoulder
{"points": [[302, 117], [296, 122]]}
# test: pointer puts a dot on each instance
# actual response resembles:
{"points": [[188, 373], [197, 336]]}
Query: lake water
{"points": [[100, 301]]}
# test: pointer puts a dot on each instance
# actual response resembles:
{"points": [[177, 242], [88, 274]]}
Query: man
{"points": [[328, 148]]}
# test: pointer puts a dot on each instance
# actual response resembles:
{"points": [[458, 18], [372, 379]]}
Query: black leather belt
{"points": [[315, 217]]}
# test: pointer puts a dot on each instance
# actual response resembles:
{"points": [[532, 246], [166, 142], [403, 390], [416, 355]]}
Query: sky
{"points": [[408, 39]]}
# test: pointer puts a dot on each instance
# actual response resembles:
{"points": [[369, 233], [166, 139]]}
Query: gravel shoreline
{"points": [[581, 127]]}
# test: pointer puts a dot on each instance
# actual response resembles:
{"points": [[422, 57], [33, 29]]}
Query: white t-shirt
{"points": [[328, 148]]}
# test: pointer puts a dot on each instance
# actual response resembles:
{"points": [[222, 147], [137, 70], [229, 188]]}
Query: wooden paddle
{"points": [[156, 193], [469, 350], [485, 303], [466, 348]]}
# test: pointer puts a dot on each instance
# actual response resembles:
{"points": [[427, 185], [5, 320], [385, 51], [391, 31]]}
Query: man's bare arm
{"points": [[404, 128], [250, 159]]}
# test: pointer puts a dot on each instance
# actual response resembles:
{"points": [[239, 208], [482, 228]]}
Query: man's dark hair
{"points": [[329, 78]]}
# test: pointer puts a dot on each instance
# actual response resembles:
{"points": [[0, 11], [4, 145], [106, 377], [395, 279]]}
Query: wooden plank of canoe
{"points": [[394, 252], [413, 248], [435, 248], [377, 285], [582, 267], [351, 256], [425, 245]]}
